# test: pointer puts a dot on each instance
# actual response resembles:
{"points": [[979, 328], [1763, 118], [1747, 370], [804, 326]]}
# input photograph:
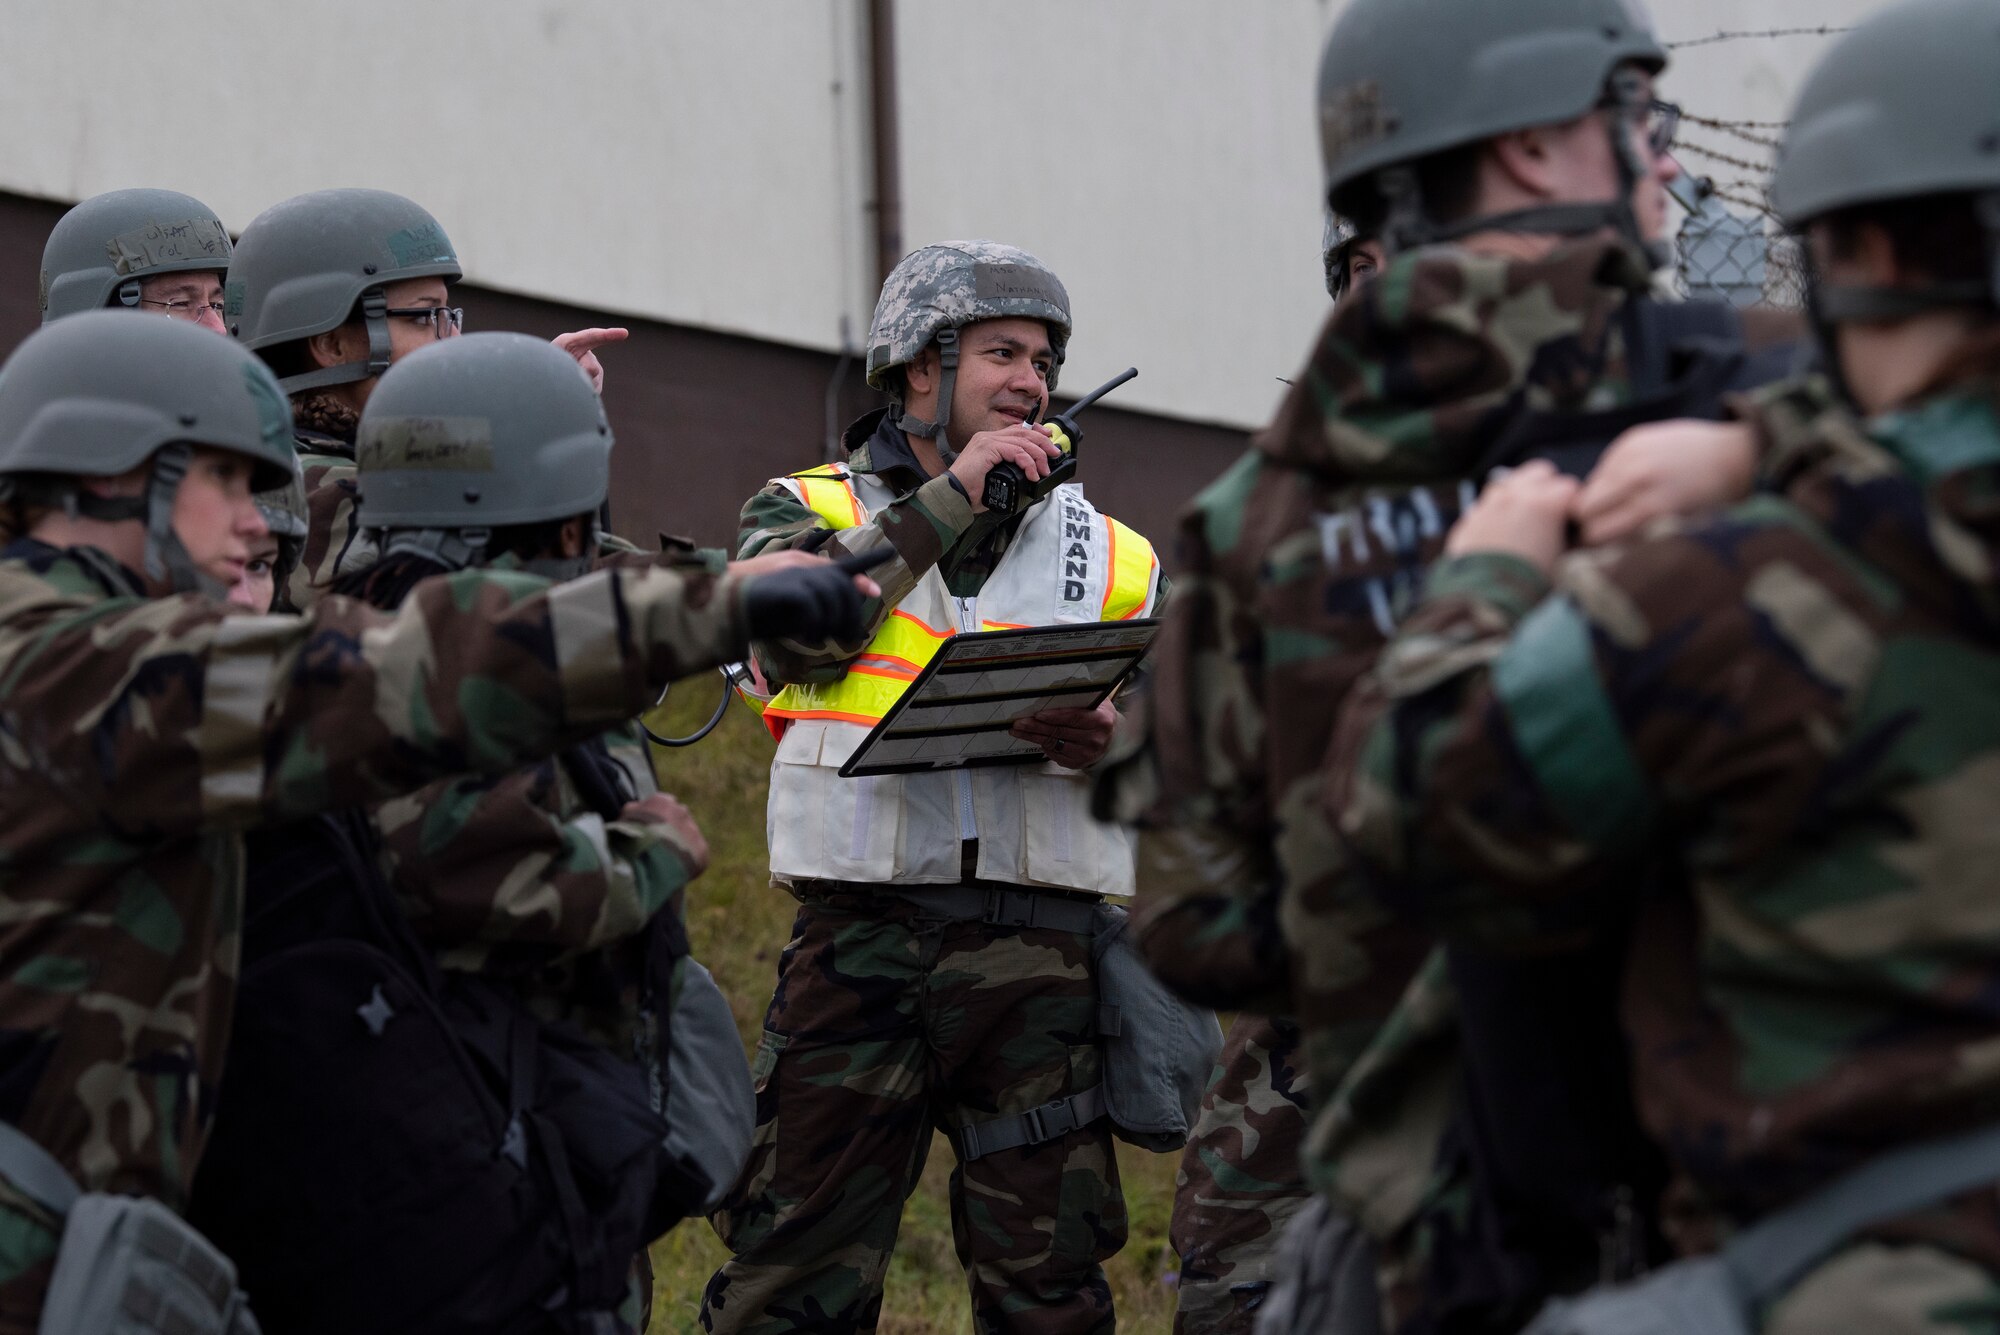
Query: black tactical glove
{"points": [[814, 603]]}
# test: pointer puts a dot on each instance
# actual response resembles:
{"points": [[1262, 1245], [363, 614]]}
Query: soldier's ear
{"points": [[1525, 161], [921, 375], [335, 346]]}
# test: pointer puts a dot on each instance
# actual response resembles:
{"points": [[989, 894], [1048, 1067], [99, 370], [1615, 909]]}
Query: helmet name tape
{"points": [[1015, 282], [160, 243], [1353, 117], [424, 243], [447, 444]]}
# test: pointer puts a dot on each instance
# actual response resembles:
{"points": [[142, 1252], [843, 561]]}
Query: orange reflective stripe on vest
{"points": [[878, 677], [874, 681], [828, 494], [1132, 563]]}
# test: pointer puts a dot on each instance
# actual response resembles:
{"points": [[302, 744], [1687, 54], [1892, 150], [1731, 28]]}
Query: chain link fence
{"points": [[1731, 246]]}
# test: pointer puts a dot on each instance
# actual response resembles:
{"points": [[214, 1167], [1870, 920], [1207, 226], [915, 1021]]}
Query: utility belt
{"points": [[126, 1265], [1158, 1051]]}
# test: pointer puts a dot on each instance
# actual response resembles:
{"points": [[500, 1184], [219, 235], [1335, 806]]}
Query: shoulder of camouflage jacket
{"points": [[1407, 376], [519, 868]]}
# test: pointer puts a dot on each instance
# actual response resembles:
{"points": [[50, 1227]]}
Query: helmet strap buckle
{"points": [[947, 346], [375, 315], [1404, 226], [128, 292]]}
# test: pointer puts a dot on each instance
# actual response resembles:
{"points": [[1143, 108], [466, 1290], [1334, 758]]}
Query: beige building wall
{"points": [[707, 164]]}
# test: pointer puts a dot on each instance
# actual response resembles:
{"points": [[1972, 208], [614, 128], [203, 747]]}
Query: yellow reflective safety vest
{"points": [[1068, 563]]}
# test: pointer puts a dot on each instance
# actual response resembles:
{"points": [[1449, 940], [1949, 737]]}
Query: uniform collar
{"points": [[875, 444], [83, 572]]}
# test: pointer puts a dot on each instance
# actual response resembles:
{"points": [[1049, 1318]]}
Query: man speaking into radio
{"points": [[940, 972]]}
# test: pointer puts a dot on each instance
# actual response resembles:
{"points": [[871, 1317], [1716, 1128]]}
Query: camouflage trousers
{"points": [[1240, 1182], [885, 1025]]}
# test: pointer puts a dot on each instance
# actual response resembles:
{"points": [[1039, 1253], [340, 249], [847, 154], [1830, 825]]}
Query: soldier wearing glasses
{"points": [[331, 288], [151, 249]]}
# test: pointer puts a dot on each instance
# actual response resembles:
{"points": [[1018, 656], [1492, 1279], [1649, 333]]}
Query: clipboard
{"points": [[957, 711]]}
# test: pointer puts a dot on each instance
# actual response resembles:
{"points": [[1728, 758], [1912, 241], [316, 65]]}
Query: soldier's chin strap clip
{"points": [[375, 318], [452, 548], [167, 560], [947, 345], [1408, 226], [1831, 305], [1879, 303]]}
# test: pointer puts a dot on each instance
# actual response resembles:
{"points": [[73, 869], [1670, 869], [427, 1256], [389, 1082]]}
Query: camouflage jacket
{"points": [[931, 524], [139, 736], [522, 877], [1795, 699], [334, 540], [1293, 568]]}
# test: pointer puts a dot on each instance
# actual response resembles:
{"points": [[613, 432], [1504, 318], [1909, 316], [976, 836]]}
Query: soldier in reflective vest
{"points": [[939, 971]]}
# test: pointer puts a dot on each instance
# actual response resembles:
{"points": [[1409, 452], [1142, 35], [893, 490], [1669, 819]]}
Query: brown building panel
{"points": [[703, 418]]}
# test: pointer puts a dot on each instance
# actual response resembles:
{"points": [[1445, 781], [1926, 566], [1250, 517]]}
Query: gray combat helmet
{"points": [[1903, 106], [284, 511], [1402, 80], [479, 433], [99, 394], [318, 260], [934, 292], [100, 249]]}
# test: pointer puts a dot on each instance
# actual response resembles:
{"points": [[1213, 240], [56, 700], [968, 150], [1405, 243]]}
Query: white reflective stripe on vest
{"points": [[1033, 821]]}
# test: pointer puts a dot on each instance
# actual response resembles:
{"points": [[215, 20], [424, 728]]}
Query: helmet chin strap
{"points": [[374, 316], [1408, 226], [562, 569], [947, 342], [166, 560], [452, 548], [464, 548], [1829, 306]]}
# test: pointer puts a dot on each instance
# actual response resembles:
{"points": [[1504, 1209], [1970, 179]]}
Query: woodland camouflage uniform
{"points": [[887, 1020], [191, 725], [1239, 1182], [1294, 568], [1009, 1013], [1793, 693], [1789, 701]]}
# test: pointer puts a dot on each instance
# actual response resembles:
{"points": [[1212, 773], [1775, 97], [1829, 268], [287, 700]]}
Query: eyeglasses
{"points": [[180, 308], [1661, 122], [442, 321]]}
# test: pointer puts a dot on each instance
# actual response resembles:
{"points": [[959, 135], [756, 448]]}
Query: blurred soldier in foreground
{"points": [[1240, 1181], [940, 973], [146, 728], [330, 289], [1792, 699], [1513, 159]]}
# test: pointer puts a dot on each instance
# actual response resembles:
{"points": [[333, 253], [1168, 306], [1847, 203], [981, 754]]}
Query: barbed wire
{"points": [[1727, 160], [1744, 130], [1737, 249], [1727, 36]]}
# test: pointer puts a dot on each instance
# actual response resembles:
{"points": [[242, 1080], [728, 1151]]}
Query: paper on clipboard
{"points": [[957, 712]]}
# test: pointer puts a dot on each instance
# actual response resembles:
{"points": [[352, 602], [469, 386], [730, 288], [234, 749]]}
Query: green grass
{"points": [[739, 923]]}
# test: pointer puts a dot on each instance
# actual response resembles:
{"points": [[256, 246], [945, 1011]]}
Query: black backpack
{"points": [[400, 1147]]}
